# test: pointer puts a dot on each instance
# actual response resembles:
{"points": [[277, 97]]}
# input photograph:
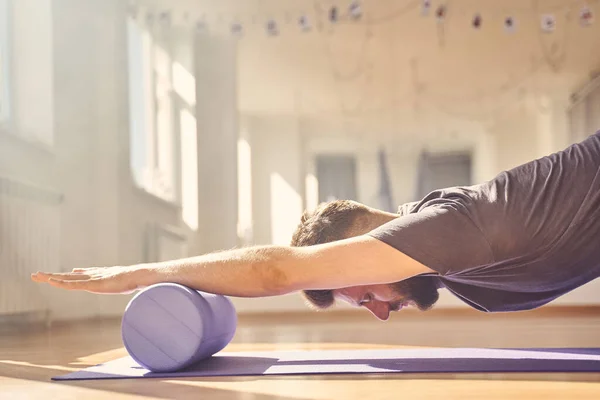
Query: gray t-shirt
{"points": [[513, 243]]}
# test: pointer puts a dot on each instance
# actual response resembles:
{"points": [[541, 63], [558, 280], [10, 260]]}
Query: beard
{"points": [[422, 290]]}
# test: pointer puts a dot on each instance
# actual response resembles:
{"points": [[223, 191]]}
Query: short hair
{"points": [[329, 222]]}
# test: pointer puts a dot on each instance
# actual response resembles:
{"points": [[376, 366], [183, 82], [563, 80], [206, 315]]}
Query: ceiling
{"points": [[396, 64]]}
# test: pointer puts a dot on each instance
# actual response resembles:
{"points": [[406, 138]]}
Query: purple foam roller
{"points": [[168, 327]]}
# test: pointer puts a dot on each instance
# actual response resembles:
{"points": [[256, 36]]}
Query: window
{"points": [[4, 62], [336, 175], [153, 135], [441, 171]]}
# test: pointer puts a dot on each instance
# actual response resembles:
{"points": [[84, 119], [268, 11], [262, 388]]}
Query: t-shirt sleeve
{"points": [[442, 238]]}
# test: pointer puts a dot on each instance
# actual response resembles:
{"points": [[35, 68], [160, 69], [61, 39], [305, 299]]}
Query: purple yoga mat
{"points": [[361, 362]]}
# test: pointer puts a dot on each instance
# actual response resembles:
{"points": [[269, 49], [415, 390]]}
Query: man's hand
{"points": [[112, 280]]}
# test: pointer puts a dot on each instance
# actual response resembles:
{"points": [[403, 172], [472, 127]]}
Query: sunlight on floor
{"points": [[28, 364], [103, 355]]}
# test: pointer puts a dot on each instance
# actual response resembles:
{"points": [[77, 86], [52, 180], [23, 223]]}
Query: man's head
{"points": [[342, 219]]}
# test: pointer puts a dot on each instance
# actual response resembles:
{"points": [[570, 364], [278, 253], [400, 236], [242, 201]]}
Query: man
{"points": [[513, 243]]}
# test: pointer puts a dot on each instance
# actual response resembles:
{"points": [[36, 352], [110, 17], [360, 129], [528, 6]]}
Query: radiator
{"points": [[29, 241]]}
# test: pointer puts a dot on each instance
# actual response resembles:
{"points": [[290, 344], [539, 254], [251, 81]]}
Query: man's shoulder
{"points": [[408, 208], [447, 196]]}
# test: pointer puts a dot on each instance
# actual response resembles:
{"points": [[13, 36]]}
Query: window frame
{"points": [[5, 63], [143, 118]]}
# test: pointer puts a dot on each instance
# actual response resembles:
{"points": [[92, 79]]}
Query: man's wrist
{"points": [[147, 275]]}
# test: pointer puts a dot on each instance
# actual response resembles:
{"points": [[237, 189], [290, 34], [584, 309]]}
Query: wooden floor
{"points": [[28, 360]]}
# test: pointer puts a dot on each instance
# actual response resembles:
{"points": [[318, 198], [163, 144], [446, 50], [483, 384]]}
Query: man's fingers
{"points": [[87, 284], [95, 280], [39, 277], [43, 276], [89, 269]]}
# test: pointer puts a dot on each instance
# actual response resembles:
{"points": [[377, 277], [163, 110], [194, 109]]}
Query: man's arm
{"points": [[256, 271]]}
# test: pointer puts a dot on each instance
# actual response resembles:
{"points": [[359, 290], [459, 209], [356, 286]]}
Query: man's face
{"points": [[421, 292]]}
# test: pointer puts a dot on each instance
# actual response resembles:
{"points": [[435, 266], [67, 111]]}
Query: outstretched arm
{"points": [[256, 271]]}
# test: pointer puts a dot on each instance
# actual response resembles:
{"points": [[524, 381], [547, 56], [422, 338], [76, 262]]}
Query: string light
{"points": [[165, 18], [237, 28], [333, 14], [425, 7], [304, 23], [510, 25], [272, 29], [548, 23], [355, 10], [586, 16], [477, 21], [440, 13]]}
